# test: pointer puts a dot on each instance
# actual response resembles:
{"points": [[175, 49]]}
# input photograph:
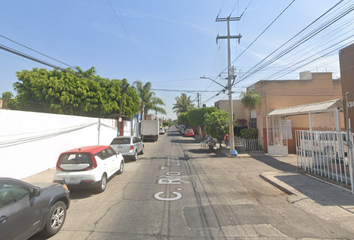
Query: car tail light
{"points": [[57, 166], [131, 147]]}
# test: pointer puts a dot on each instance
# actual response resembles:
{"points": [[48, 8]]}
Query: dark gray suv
{"points": [[27, 209]]}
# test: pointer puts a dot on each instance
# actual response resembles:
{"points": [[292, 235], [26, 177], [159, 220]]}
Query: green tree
{"points": [[217, 124], [148, 100], [83, 94], [182, 119], [250, 100], [196, 116], [183, 104], [6, 99]]}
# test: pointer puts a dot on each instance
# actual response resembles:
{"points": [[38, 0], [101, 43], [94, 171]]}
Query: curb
{"points": [[279, 186]]}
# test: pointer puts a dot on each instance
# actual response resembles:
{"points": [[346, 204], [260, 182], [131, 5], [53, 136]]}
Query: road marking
{"points": [[178, 196], [171, 178]]}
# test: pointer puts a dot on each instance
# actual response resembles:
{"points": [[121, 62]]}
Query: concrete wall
{"points": [[31, 142]]}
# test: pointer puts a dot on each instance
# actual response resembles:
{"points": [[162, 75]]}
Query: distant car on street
{"points": [[189, 133], [128, 146], [88, 167], [27, 209], [161, 131]]}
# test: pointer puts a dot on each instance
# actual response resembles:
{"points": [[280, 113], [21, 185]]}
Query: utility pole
{"points": [[125, 85], [198, 98], [231, 73]]}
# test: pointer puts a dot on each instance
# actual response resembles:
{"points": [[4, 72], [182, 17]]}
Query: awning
{"points": [[320, 107]]}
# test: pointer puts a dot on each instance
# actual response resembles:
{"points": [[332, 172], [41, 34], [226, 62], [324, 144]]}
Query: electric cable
{"points": [[37, 51], [136, 48], [299, 42]]}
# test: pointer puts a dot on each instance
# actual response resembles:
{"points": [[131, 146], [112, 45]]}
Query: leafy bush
{"points": [[249, 133]]}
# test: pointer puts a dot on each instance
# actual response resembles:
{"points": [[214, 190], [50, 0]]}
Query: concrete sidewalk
{"points": [[323, 199]]}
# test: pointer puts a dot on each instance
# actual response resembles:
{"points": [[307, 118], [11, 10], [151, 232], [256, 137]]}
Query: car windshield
{"points": [[120, 141]]}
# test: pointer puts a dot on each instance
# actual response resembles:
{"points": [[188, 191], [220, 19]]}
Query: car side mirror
{"points": [[36, 192]]}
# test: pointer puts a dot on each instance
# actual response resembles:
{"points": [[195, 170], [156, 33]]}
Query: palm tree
{"points": [[183, 104], [148, 99]]}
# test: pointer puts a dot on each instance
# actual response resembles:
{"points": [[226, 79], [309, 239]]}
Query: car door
{"points": [[114, 159], [21, 214], [106, 161], [138, 145]]}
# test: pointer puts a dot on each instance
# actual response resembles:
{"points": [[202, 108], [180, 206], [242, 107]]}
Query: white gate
{"points": [[326, 154]]}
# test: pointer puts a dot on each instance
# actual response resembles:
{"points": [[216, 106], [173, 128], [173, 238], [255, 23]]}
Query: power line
{"points": [[262, 32], [35, 37], [37, 51], [298, 43], [176, 90], [8, 49], [130, 38]]}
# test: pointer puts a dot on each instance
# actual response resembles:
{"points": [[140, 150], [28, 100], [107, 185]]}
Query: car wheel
{"points": [[103, 183], [135, 156], [142, 151], [121, 169], [56, 219]]}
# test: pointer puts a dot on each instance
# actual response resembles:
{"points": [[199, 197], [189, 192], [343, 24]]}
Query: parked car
{"points": [[27, 209], [189, 133], [88, 167], [161, 131], [182, 128], [128, 146]]}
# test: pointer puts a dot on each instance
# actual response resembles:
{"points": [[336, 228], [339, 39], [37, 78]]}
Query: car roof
{"points": [[88, 149]]}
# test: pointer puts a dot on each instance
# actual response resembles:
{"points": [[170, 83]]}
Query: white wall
{"points": [[31, 142]]}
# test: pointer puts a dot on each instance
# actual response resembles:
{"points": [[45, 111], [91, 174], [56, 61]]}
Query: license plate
{"points": [[72, 180]]}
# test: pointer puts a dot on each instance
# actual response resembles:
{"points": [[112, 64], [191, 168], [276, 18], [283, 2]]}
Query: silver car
{"points": [[128, 146]]}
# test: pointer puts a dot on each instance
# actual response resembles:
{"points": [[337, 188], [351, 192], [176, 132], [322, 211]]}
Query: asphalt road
{"points": [[178, 191]]}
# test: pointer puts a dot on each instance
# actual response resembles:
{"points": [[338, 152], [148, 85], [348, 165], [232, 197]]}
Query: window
{"points": [[75, 158], [120, 141], [11, 193], [110, 152]]}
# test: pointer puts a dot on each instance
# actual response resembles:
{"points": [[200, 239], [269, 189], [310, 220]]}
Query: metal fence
{"points": [[326, 155], [249, 145]]}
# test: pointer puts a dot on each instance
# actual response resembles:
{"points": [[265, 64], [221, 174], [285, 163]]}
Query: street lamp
{"points": [[204, 77]]}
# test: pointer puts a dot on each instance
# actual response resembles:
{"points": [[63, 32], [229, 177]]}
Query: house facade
{"points": [[346, 60], [276, 94], [241, 115]]}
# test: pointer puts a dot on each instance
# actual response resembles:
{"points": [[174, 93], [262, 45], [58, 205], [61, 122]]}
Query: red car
{"points": [[189, 133]]}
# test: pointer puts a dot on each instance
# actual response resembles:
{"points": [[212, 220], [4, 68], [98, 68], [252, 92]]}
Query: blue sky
{"points": [[173, 43]]}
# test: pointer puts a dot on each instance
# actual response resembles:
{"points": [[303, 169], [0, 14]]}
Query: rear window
{"points": [[120, 141], [80, 160]]}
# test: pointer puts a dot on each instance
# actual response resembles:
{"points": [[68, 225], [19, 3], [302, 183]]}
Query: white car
{"points": [[161, 131], [88, 167], [128, 146]]}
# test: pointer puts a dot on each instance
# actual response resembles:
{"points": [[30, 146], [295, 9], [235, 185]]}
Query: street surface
{"points": [[176, 190]]}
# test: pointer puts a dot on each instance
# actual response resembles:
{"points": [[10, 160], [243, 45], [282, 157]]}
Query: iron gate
{"points": [[326, 154]]}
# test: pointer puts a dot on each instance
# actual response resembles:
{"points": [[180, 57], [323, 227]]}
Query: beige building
{"points": [[346, 60], [240, 113], [275, 94]]}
